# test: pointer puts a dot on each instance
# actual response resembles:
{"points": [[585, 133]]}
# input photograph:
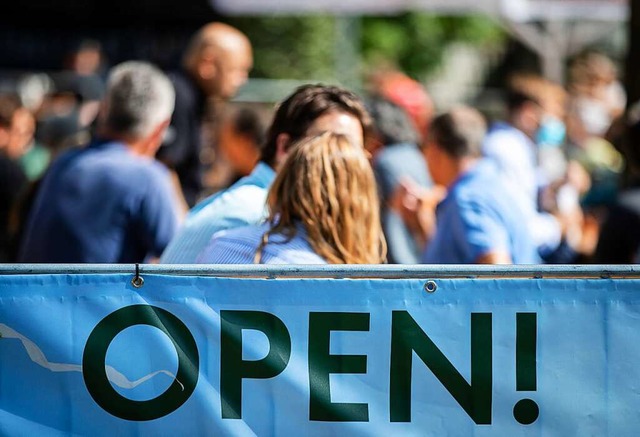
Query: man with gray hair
{"points": [[110, 202], [476, 221]]}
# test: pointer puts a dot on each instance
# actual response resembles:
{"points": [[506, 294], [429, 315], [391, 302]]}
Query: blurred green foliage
{"points": [[303, 47], [416, 42], [290, 47]]}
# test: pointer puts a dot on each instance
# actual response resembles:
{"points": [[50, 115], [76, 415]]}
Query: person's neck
{"points": [[518, 124], [135, 145], [459, 167]]}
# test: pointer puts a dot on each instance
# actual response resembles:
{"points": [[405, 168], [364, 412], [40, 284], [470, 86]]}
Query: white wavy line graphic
{"points": [[38, 357]]}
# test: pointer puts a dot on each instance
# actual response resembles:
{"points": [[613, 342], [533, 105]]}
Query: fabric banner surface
{"points": [[89, 354]]}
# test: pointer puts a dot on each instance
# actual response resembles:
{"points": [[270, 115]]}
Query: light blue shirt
{"points": [[478, 217], [515, 155], [239, 246], [241, 204]]}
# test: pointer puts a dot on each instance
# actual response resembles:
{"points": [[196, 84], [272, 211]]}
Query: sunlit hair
{"points": [[326, 185], [217, 35], [138, 98]]}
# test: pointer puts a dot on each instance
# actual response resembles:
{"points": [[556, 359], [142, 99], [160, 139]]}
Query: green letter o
{"points": [[95, 352]]}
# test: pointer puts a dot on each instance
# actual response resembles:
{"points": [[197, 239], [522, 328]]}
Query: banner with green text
{"points": [[90, 354]]}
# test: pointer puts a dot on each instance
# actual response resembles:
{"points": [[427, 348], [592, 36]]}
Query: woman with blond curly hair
{"points": [[323, 209]]}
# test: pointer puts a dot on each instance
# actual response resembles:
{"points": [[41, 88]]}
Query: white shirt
{"points": [[515, 155]]}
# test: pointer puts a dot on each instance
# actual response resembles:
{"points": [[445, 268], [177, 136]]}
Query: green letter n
{"points": [[407, 337]]}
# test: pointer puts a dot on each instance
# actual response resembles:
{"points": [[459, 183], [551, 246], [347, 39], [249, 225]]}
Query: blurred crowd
{"points": [[129, 163]]}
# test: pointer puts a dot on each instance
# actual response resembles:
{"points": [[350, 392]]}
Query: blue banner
{"points": [[90, 354]]}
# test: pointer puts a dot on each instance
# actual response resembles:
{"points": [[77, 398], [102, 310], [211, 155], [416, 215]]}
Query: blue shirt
{"points": [[241, 204], [239, 246], [101, 204], [478, 217]]}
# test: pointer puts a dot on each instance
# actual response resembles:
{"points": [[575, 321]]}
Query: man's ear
{"points": [[282, 141], [207, 67], [531, 115], [151, 143], [102, 111]]}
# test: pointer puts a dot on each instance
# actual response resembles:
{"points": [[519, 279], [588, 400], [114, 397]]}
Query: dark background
{"points": [[36, 34]]}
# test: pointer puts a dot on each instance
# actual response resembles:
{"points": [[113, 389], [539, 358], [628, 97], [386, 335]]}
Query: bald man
{"points": [[216, 63]]}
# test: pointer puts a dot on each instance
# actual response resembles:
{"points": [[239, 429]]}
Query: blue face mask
{"points": [[551, 132]]}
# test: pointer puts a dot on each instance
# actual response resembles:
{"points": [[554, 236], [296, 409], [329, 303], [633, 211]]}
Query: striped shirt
{"points": [[241, 204], [238, 246]]}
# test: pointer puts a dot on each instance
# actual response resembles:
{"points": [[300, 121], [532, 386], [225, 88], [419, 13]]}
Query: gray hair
{"points": [[138, 98]]}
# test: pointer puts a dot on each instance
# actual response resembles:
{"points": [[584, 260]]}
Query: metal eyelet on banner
{"points": [[137, 281], [430, 286]]}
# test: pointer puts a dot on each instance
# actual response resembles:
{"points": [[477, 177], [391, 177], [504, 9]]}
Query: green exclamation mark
{"points": [[526, 411]]}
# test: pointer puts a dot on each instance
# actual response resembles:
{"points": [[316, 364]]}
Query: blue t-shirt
{"points": [[477, 217], [101, 204]]}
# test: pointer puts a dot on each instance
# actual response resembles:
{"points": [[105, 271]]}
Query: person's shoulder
{"points": [[185, 88], [296, 250], [236, 201], [232, 245], [396, 153], [137, 167], [479, 185], [139, 173], [247, 233], [295, 256], [152, 175], [245, 196]]}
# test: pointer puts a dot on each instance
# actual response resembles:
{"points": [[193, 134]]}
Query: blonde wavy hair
{"points": [[327, 185]]}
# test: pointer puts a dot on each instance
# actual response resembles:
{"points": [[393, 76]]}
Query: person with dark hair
{"points": [[216, 63], [14, 136], [241, 133], [110, 202], [320, 107], [309, 110], [476, 222], [398, 159]]}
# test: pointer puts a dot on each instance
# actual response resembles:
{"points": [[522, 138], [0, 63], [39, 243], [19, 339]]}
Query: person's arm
{"points": [[179, 195], [494, 257], [159, 213], [417, 207]]}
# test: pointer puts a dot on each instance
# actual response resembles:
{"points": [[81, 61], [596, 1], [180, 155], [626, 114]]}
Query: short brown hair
{"points": [[296, 114], [459, 132]]}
